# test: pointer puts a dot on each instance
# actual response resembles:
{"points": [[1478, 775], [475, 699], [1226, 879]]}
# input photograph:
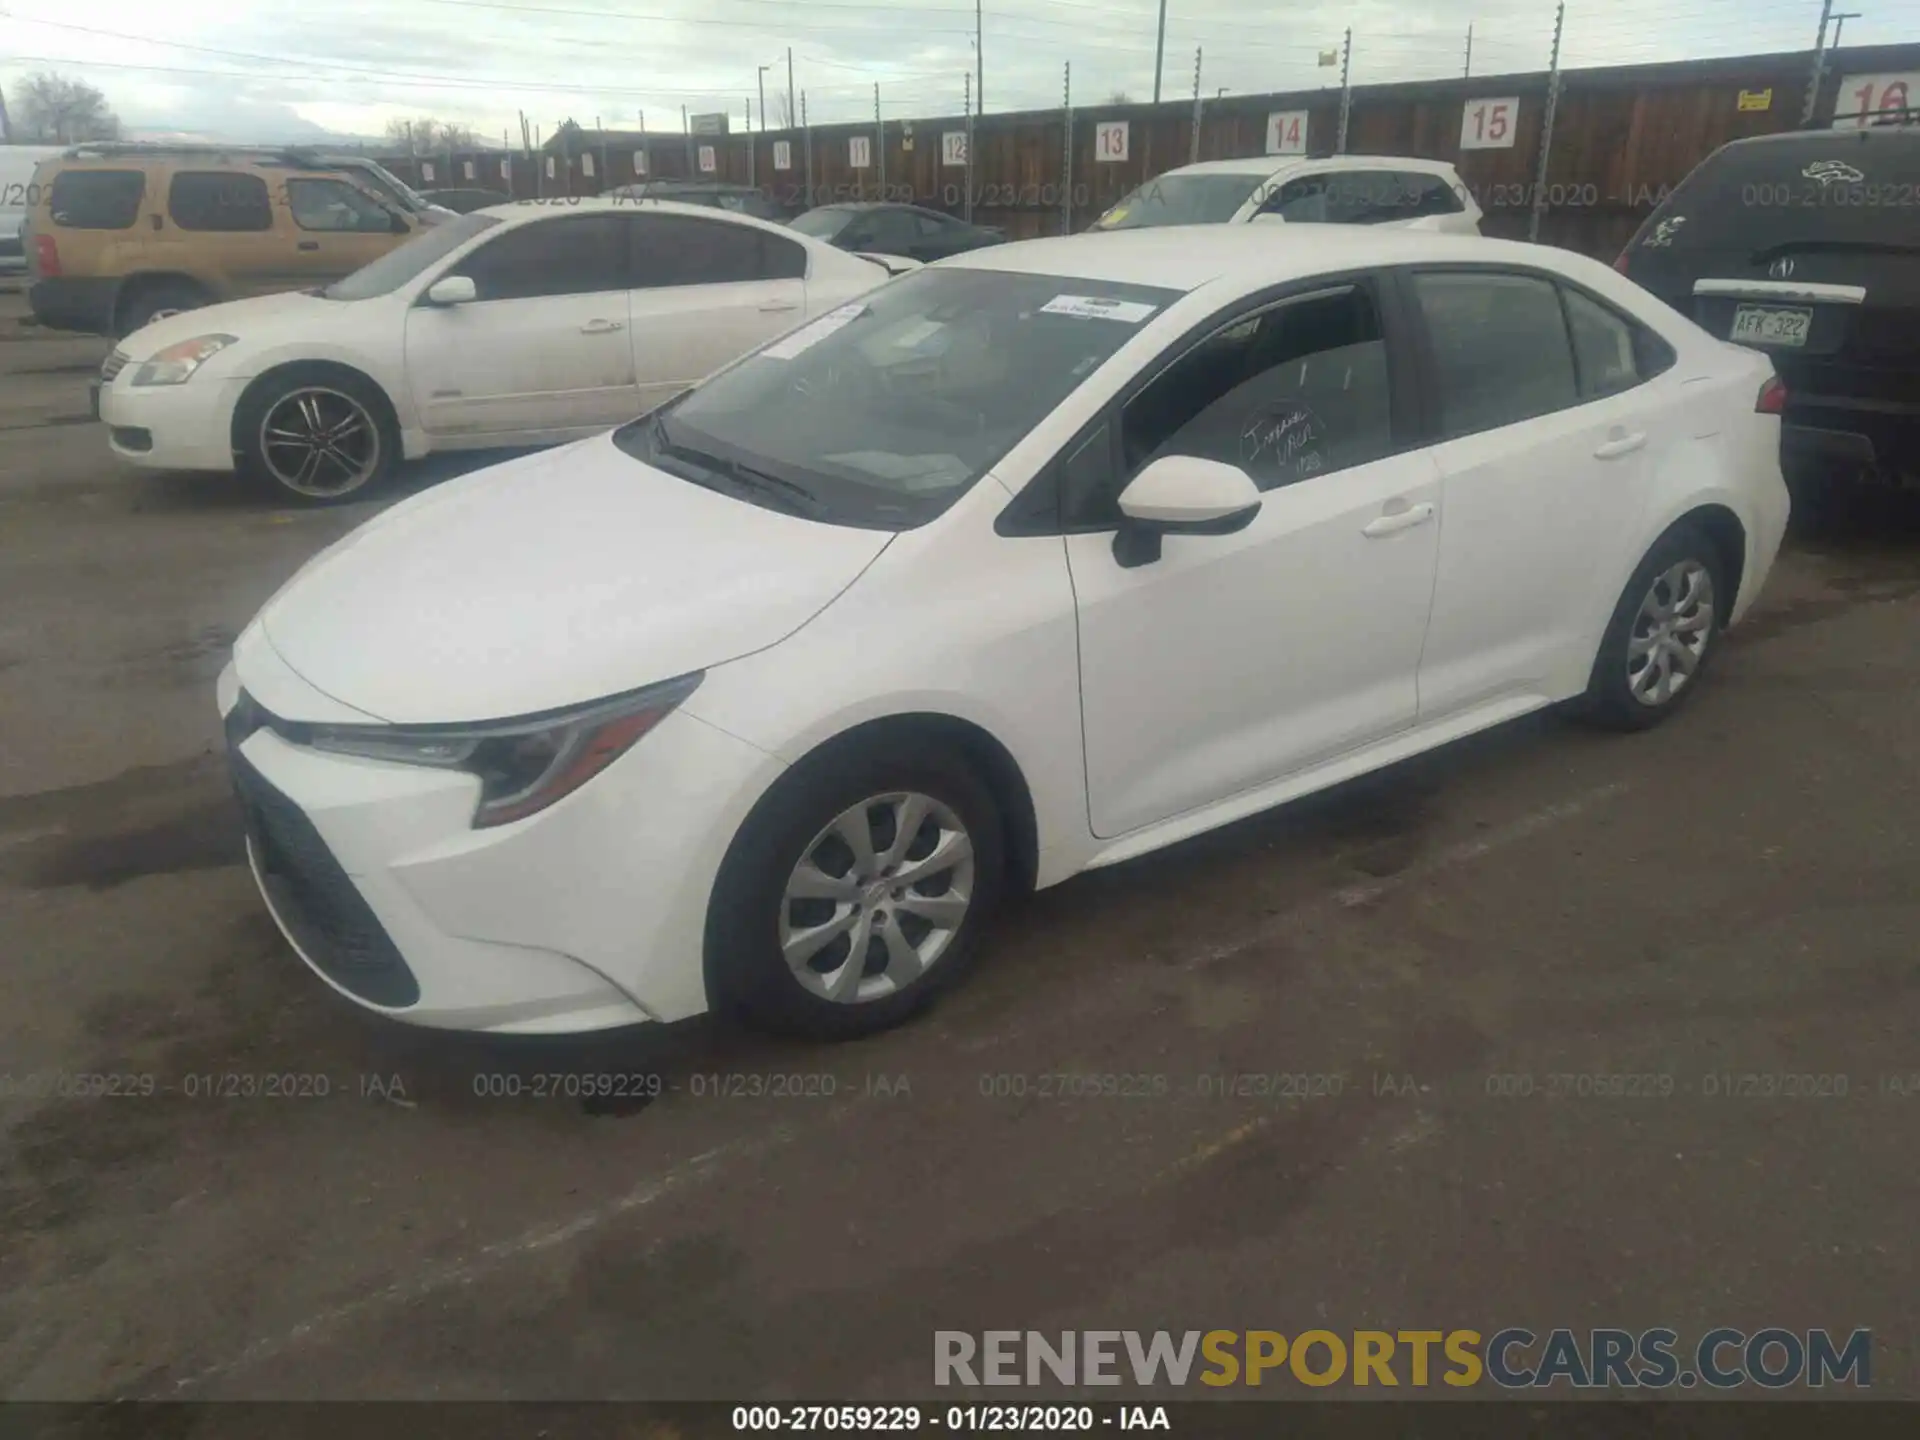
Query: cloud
{"points": [[265, 70]]}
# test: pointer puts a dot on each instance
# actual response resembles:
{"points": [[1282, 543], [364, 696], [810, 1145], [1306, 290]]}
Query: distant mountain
{"points": [[236, 120]]}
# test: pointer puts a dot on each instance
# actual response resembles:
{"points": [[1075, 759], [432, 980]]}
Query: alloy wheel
{"points": [[1670, 633], [320, 442], [877, 897]]}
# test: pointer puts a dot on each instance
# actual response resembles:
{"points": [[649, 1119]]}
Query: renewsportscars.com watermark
{"points": [[1510, 1359]]}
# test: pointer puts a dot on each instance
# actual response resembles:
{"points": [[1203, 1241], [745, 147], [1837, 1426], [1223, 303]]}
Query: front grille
{"points": [[312, 896], [115, 363]]}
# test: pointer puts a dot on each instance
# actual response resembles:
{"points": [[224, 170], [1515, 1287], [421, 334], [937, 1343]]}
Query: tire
{"points": [[1621, 694], [157, 301], [359, 442], [753, 920]]}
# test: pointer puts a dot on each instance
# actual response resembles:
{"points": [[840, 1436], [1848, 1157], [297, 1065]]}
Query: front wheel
{"points": [[317, 437], [1665, 629], [856, 893]]}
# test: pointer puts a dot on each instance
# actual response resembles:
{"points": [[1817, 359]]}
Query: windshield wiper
{"points": [[794, 499]]}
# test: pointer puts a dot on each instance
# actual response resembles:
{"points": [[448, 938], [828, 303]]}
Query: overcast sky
{"points": [[281, 69]]}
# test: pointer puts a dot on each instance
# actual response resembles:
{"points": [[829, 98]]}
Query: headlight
{"points": [[523, 765], [175, 364]]}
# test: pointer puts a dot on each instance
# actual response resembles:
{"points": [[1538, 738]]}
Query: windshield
{"points": [[1181, 200], [882, 413], [822, 224], [404, 262], [1815, 189]]}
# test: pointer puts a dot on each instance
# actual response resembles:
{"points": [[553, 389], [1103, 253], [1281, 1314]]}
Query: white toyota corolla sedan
{"points": [[525, 324], [1035, 560]]}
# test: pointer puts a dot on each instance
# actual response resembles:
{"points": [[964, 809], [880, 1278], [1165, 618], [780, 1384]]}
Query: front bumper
{"points": [[587, 916], [171, 427]]}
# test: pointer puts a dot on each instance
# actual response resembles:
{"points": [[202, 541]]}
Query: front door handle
{"points": [[775, 306], [309, 244], [601, 327], [1397, 517], [1619, 442]]}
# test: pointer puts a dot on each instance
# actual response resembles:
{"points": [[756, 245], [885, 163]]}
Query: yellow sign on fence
{"points": [[1756, 99]]}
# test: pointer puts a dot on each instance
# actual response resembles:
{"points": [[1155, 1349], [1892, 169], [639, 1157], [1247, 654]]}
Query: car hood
{"points": [[262, 317], [548, 581]]}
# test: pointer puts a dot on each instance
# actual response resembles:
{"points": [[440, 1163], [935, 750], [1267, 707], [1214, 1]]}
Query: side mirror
{"points": [[1181, 495], [452, 290]]}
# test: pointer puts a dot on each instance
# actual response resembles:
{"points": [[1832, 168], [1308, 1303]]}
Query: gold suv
{"points": [[123, 234]]}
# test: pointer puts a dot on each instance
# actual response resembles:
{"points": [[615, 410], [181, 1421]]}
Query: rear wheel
{"points": [[158, 300], [856, 893], [1664, 631]]}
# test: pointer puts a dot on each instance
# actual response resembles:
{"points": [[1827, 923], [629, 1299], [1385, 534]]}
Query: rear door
{"points": [[220, 231], [704, 293], [1806, 247], [543, 349]]}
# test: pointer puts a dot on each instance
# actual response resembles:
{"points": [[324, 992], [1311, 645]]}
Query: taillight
{"points": [[1773, 397], [1620, 262], [46, 256]]}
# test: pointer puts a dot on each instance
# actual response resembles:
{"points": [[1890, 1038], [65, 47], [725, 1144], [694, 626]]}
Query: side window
{"points": [[929, 226], [1603, 354], [1428, 195], [219, 200], [573, 255], [336, 205], [1500, 348], [1293, 392], [670, 250], [1299, 201], [97, 199], [888, 229]]}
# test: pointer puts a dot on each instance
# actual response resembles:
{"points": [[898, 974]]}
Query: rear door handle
{"points": [[1403, 518], [309, 244], [1620, 443], [774, 306], [601, 327]]}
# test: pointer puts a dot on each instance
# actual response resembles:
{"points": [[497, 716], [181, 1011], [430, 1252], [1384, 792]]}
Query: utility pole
{"points": [[763, 98], [807, 132], [1066, 166], [793, 115], [880, 139], [603, 153], [1193, 157], [1346, 89], [1546, 127], [686, 130], [1839, 21], [1159, 51], [967, 105], [979, 57], [646, 150], [1468, 72], [753, 160], [1819, 64]]}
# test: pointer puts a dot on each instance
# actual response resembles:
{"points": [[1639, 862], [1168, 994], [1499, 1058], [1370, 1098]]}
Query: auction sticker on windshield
{"points": [[808, 336], [1091, 307]]}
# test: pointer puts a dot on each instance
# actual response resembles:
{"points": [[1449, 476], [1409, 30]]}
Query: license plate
{"points": [[1768, 325]]}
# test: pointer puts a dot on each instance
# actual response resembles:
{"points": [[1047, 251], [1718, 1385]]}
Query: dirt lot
{"points": [[1732, 895]]}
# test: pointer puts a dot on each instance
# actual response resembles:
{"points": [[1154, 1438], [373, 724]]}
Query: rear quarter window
{"points": [[96, 199]]}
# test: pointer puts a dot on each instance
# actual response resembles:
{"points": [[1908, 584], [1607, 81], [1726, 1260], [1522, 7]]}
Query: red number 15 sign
{"points": [[1489, 124]]}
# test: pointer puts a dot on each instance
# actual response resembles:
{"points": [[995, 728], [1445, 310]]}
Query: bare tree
{"points": [[427, 136], [1119, 97], [57, 111]]}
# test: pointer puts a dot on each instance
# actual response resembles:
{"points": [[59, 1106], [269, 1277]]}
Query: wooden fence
{"points": [[1622, 137]]}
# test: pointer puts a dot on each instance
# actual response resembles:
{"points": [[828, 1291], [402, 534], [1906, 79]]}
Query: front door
{"points": [[338, 227], [705, 293], [543, 350], [1235, 660]]}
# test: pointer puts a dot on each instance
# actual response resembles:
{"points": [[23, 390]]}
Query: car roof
{"points": [[1274, 164], [1185, 257], [552, 208]]}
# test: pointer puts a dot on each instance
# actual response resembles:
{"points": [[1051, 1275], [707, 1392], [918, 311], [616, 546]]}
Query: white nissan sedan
{"points": [[525, 324], [1033, 561]]}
